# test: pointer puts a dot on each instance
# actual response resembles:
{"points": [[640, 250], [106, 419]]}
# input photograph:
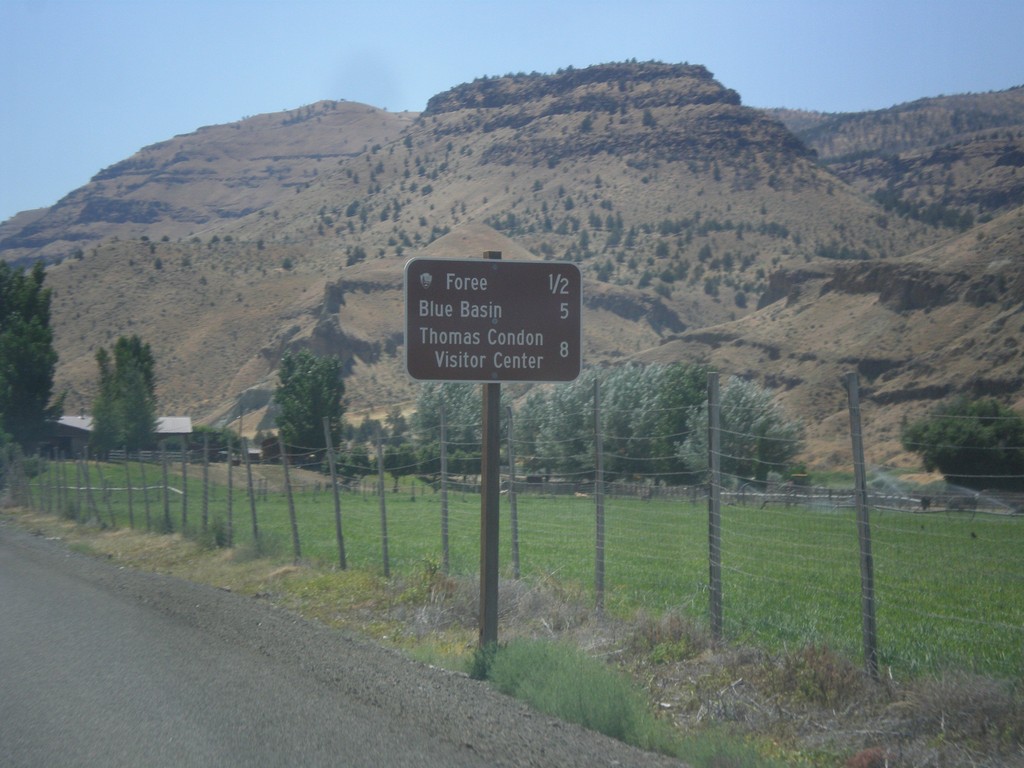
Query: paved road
{"points": [[107, 666]]}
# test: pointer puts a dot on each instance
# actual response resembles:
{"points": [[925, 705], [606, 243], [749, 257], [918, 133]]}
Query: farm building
{"points": [[72, 432]]}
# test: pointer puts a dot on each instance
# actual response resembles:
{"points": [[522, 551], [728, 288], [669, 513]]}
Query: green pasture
{"points": [[949, 586]]}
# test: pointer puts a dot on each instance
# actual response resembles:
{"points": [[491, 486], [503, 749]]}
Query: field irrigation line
{"points": [[113, 488]]}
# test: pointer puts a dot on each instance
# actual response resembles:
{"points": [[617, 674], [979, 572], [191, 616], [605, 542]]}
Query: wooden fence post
{"points": [[206, 480], [58, 471], [513, 504], [445, 555], [252, 495], [145, 494], [714, 507], [45, 484], [383, 507], [490, 510], [58, 484], [106, 494], [93, 509], [332, 463], [598, 503], [296, 552], [867, 576], [229, 534], [128, 484], [184, 484], [78, 490], [167, 491]]}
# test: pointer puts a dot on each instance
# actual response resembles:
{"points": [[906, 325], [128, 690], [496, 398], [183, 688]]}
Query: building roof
{"points": [[83, 422], [174, 425], [165, 425]]}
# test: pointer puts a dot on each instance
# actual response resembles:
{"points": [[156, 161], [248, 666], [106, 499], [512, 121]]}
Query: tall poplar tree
{"points": [[124, 412], [27, 357]]}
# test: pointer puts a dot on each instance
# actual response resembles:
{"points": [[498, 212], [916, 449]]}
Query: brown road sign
{"points": [[491, 321]]}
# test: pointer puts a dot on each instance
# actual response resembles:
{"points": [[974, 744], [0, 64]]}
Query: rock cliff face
{"points": [[634, 306], [909, 287], [787, 284], [686, 114], [601, 88], [901, 288]]}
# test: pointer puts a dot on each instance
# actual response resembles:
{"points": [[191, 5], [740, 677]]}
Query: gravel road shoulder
{"points": [[461, 711]]}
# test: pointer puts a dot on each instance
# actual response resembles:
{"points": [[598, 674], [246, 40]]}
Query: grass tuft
{"points": [[482, 662], [561, 680]]}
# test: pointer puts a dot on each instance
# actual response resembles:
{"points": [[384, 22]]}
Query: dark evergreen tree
{"points": [[310, 389], [107, 421], [27, 357], [124, 412]]}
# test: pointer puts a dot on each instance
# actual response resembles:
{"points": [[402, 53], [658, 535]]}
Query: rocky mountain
{"points": [[786, 246], [952, 159], [194, 183]]}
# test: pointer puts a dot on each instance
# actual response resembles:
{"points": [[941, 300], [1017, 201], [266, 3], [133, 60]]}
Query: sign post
{"points": [[491, 321], [490, 505]]}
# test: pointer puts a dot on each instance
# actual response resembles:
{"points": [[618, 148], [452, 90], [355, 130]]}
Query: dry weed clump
{"points": [[436, 601], [672, 637], [964, 706], [817, 675], [544, 608]]}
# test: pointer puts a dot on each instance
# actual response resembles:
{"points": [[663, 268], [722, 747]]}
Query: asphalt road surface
{"points": [[104, 666]]}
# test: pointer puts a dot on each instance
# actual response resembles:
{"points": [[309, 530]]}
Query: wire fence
{"points": [[781, 560]]}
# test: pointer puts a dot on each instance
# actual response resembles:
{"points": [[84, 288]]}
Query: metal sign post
{"points": [[491, 321], [490, 505]]}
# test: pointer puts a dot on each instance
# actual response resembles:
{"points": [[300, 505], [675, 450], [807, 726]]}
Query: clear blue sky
{"points": [[86, 83]]}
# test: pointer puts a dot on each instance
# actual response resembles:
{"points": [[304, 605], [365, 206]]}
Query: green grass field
{"points": [[949, 586]]}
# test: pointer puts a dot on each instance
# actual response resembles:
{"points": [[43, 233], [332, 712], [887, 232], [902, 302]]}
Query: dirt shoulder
{"points": [[804, 707], [455, 708]]}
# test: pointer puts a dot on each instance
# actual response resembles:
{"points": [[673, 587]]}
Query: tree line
{"points": [[653, 426], [653, 418]]}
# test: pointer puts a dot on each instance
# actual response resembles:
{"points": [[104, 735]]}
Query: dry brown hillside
{"points": [[945, 321], [193, 184], [957, 158], [704, 229]]}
